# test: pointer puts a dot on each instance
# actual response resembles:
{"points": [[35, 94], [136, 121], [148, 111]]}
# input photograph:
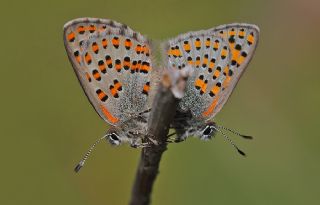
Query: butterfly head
{"points": [[207, 131], [119, 135], [115, 136], [203, 131]]}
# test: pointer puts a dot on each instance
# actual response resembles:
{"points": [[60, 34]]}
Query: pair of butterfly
{"points": [[116, 69]]}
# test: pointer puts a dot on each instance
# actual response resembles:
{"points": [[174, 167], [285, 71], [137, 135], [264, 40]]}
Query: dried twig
{"points": [[162, 114]]}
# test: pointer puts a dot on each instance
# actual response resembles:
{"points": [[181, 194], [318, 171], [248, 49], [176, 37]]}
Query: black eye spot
{"points": [[207, 131], [238, 47], [244, 54], [232, 39]]}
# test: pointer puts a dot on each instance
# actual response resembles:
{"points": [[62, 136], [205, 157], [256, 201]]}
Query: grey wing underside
{"points": [[218, 57], [113, 64]]}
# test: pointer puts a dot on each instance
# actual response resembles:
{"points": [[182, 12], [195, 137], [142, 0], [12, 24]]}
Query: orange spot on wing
{"points": [[118, 67], [199, 83], [81, 29], [108, 115], [138, 49], [71, 36], [109, 61], [215, 89], [207, 43], [115, 41], [224, 52], [226, 70], [235, 54], [88, 58], [210, 108], [232, 32], [190, 62], [186, 47], [146, 88], [211, 64], [101, 95], [97, 75], [177, 52], [250, 38], [241, 59], [205, 61], [104, 43], [126, 64], [128, 43], [102, 68], [204, 87], [216, 73], [117, 85], [78, 59], [241, 33], [197, 62], [114, 91], [226, 82], [197, 43], [145, 67], [92, 28], [95, 47], [216, 45]]}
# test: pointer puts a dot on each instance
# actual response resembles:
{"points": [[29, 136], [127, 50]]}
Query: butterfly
{"points": [[218, 57], [114, 66]]}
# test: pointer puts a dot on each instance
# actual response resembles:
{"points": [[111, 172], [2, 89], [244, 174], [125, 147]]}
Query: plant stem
{"points": [[161, 116]]}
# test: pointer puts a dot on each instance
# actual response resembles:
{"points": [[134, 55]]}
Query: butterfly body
{"points": [[132, 131], [186, 125]]}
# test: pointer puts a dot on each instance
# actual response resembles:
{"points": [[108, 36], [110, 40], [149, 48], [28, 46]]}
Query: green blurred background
{"points": [[47, 124]]}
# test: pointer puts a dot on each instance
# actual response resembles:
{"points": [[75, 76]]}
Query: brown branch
{"points": [[162, 114]]}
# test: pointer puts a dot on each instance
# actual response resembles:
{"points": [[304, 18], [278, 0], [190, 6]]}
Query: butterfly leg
{"points": [[176, 139], [149, 141], [141, 145]]}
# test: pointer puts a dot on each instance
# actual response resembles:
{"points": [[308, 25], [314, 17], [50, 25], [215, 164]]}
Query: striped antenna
{"points": [[81, 163], [230, 141], [234, 132]]}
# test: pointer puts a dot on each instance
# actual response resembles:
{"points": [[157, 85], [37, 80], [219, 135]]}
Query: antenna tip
{"points": [[79, 166], [241, 152], [247, 137]]}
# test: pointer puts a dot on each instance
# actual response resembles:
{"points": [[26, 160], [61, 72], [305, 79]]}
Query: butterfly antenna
{"points": [[231, 142], [234, 132], [81, 163]]}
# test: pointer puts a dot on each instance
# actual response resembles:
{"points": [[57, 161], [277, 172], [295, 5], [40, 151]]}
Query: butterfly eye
{"points": [[113, 136], [207, 130], [114, 139]]}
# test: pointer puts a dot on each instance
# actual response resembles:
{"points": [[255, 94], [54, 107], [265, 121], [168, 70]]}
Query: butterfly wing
{"points": [[218, 56], [113, 65]]}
